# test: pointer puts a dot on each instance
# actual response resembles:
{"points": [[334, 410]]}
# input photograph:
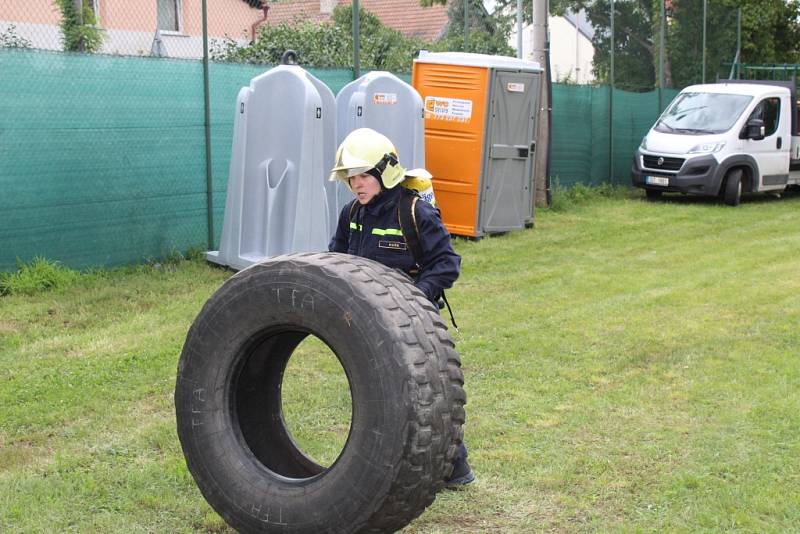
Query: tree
{"points": [[382, 48], [487, 34], [634, 51], [770, 33], [79, 30], [326, 45], [316, 45]]}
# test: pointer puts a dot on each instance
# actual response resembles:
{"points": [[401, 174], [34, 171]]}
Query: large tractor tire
{"points": [[405, 384]]}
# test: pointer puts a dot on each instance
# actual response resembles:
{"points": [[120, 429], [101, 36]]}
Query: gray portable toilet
{"points": [[284, 142], [382, 101]]}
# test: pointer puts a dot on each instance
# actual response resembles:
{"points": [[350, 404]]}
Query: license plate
{"points": [[656, 180]]}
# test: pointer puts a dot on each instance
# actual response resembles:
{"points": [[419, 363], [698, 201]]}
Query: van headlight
{"points": [[643, 144], [707, 148]]}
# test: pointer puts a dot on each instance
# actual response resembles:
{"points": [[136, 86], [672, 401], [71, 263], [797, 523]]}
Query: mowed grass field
{"points": [[630, 366]]}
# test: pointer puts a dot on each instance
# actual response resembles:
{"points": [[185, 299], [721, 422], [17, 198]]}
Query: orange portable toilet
{"points": [[480, 129]]}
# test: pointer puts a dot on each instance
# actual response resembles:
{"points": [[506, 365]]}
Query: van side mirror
{"points": [[754, 129]]}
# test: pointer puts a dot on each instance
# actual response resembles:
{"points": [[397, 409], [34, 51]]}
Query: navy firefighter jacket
{"points": [[374, 233]]}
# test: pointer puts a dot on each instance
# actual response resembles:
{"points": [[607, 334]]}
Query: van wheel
{"points": [[652, 194], [733, 188], [405, 383]]}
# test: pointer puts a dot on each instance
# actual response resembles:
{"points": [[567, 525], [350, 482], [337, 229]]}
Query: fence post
{"points": [[611, 104], [519, 29], [466, 25], [356, 41], [78, 6], [738, 40], [661, 51], [207, 124], [705, 9]]}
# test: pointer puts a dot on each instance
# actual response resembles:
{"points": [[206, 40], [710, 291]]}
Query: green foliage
{"points": [[79, 30], [42, 274], [327, 44], [770, 34], [38, 275], [10, 39], [321, 45], [196, 254], [566, 198], [487, 34], [634, 64], [382, 48], [630, 366]]}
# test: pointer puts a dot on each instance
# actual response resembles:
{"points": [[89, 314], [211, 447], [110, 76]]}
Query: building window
{"points": [[169, 15]]}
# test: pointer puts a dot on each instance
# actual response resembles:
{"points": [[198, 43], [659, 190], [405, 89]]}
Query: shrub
{"points": [[10, 39], [564, 198], [38, 275]]}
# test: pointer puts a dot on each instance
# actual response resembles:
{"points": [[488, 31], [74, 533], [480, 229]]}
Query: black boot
{"points": [[462, 472]]}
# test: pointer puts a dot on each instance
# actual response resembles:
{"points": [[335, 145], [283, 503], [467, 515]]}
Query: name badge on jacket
{"points": [[393, 245]]}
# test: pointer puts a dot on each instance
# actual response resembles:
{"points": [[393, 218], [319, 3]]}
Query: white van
{"points": [[722, 139]]}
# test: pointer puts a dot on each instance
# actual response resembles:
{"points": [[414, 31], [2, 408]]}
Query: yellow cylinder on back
{"points": [[423, 187]]}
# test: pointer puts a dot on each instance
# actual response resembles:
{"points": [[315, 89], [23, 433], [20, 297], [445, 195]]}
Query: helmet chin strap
{"points": [[387, 159], [377, 171]]}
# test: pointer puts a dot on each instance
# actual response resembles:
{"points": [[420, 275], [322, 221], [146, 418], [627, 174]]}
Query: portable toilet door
{"points": [[382, 101], [507, 174]]}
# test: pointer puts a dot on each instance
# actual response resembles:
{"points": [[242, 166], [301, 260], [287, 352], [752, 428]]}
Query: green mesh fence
{"points": [[102, 134], [581, 147], [634, 114], [102, 158]]}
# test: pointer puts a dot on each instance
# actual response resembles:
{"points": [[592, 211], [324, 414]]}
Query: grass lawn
{"points": [[631, 366]]}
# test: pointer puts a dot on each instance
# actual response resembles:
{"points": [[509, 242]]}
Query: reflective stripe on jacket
{"points": [[374, 233]]}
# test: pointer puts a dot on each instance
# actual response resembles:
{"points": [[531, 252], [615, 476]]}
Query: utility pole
{"points": [[519, 29], [541, 53], [611, 104], [705, 12], [207, 129], [356, 41], [466, 25], [78, 6], [661, 49]]}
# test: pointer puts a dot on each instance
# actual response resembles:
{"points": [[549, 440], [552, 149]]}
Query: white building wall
{"points": [[571, 52], [119, 42]]}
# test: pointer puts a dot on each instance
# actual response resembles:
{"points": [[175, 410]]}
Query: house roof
{"points": [[406, 16], [581, 22], [289, 11]]}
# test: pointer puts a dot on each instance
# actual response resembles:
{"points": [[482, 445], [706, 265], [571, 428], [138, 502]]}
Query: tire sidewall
{"points": [[733, 188], [246, 493]]}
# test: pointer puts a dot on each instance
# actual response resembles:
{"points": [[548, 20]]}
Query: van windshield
{"points": [[702, 113]]}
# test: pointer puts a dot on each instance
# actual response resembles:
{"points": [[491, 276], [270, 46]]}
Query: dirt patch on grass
{"points": [[15, 455], [10, 326]]}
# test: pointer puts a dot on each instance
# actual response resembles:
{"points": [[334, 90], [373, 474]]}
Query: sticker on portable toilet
{"points": [[515, 87], [448, 109], [384, 98]]}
